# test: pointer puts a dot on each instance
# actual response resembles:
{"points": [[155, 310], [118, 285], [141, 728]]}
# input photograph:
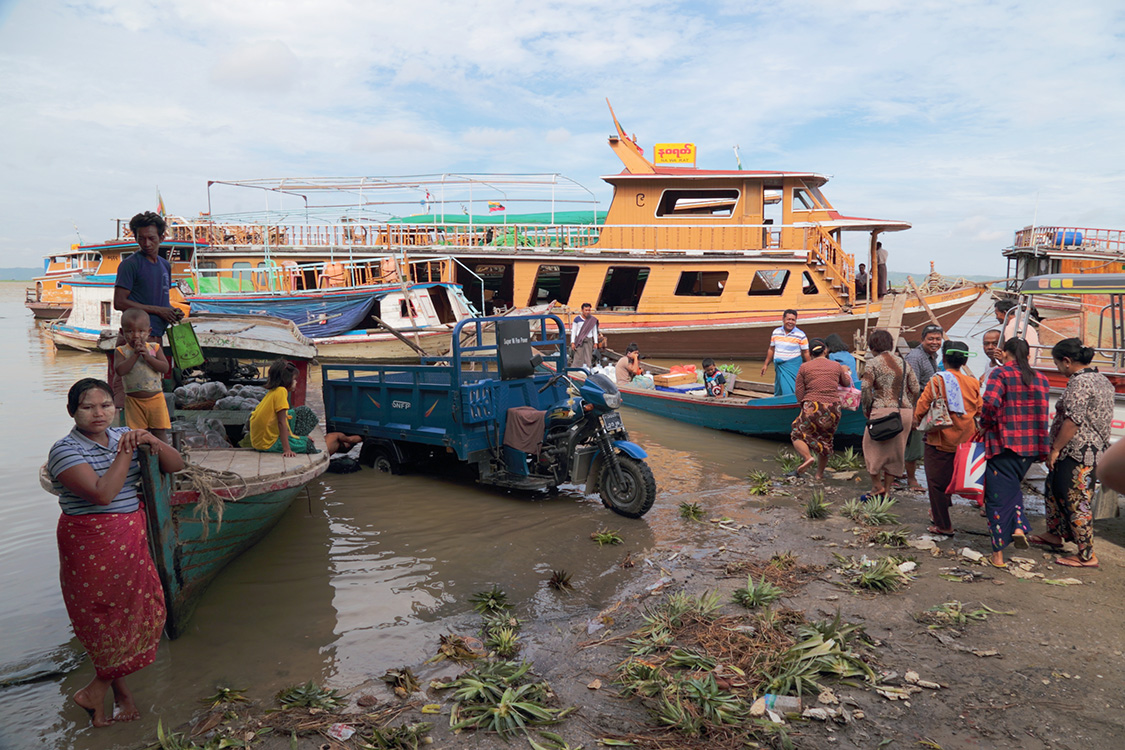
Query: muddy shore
{"points": [[1048, 675]]}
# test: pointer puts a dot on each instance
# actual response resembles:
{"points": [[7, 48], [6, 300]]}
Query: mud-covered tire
{"points": [[381, 458], [639, 493]]}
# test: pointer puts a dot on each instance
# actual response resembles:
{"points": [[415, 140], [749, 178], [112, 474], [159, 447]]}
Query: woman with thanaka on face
{"points": [[141, 365], [1079, 437], [109, 583]]}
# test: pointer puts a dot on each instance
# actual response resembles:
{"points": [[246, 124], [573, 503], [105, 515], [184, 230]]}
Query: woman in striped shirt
{"points": [[110, 586]]}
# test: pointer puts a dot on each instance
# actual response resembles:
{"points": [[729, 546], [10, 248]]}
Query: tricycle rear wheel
{"points": [[635, 495]]}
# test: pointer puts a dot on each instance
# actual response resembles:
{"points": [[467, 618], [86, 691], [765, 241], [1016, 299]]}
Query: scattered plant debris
{"points": [[493, 600], [605, 536], [875, 512], [759, 483], [311, 695], [816, 507], [691, 511], [760, 594], [560, 581]]}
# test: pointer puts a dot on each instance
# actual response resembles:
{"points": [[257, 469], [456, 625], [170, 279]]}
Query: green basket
{"points": [[184, 345]]}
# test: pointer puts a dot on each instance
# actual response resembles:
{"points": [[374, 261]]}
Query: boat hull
{"points": [[70, 337], [47, 310], [750, 337], [762, 420], [188, 552], [381, 347]]}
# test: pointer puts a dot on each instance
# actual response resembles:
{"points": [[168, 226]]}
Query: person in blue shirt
{"points": [[714, 382], [838, 352], [144, 278]]}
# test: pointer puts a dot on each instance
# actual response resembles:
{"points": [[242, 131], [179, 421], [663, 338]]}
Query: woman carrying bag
{"points": [[889, 389], [960, 395]]}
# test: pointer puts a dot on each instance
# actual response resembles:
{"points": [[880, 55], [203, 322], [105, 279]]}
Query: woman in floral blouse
{"points": [[1079, 437]]}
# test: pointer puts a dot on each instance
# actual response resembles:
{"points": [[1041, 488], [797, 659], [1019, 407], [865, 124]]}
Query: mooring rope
{"points": [[204, 481]]}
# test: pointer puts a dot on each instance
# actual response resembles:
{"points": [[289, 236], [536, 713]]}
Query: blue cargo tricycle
{"points": [[494, 406]]}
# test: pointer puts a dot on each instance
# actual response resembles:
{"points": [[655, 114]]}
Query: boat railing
{"points": [[687, 238], [290, 276], [1084, 238], [839, 266]]}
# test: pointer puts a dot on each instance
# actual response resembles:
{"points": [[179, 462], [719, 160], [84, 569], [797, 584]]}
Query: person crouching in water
{"points": [[815, 427], [141, 365], [274, 428], [714, 382]]}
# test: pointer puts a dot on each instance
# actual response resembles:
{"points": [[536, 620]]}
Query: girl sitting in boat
{"points": [[109, 583], [275, 428]]}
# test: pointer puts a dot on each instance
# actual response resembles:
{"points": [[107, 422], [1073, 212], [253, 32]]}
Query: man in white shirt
{"points": [[584, 337], [789, 347], [881, 261], [991, 343]]}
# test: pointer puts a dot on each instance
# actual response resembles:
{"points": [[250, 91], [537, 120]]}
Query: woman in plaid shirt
{"points": [[1014, 420]]}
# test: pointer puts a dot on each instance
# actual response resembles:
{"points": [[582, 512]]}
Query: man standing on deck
{"points": [[881, 261], [789, 347], [584, 336], [924, 359], [991, 343], [144, 278]]}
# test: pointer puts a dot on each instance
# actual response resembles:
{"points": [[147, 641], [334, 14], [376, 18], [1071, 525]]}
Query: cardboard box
{"points": [[674, 378]]}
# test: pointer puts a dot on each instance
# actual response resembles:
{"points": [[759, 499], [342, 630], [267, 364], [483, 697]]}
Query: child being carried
{"points": [[141, 364]]}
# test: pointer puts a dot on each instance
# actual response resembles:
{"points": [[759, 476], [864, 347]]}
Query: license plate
{"points": [[612, 422]]}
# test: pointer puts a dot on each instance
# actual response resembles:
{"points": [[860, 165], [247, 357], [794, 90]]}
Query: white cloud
{"points": [[258, 67]]}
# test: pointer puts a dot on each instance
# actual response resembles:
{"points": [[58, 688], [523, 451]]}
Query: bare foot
{"points": [[124, 709], [95, 708], [805, 464], [914, 488], [1071, 561]]}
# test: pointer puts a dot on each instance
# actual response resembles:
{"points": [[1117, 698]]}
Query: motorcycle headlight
{"points": [[613, 400]]}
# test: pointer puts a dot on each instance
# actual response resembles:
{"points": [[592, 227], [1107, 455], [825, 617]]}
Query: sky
{"points": [[969, 120]]}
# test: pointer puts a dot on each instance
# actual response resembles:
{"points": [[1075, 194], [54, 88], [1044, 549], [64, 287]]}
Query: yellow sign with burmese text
{"points": [[674, 153]]}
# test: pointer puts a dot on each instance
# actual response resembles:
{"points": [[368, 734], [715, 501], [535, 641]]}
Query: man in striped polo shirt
{"points": [[789, 347]]}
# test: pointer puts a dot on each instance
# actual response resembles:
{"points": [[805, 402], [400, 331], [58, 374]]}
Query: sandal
{"points": [[942, 532], [1040, 541], [1019, 541], [1070, 562], [1002, 566]]}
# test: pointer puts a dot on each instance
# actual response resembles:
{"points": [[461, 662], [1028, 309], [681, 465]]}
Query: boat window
{"points": [[768, 282], [497, 282], [808, 286], [803, 200], [553, 283], [691, 203], [701, 283], [818, 196], [105, 311], [206, 268], [622, 288]]}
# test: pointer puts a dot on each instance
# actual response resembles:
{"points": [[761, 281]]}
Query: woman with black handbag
{"points": [[889, 391]]}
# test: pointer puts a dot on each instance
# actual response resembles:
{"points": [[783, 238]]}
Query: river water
{"points": [[362, 574]]}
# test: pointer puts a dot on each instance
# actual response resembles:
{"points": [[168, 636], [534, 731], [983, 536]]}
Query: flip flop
{"points": [[1041, 542], [936, 530], [1019, 541], [1068, 563], [1002, 566]]}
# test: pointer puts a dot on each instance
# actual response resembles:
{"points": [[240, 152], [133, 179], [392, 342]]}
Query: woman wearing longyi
{"points": [[1079, 436], [109, 583]]}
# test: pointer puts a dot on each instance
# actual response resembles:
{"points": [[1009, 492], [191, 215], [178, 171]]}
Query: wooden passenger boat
{"points": [[686, 262], [51, 297]]}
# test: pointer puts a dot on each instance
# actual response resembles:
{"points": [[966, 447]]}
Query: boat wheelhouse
{"points": [[1046, 250]]}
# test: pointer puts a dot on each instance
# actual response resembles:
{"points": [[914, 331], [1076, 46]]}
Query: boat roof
{"points": [[691, 173], [1075, 283]]}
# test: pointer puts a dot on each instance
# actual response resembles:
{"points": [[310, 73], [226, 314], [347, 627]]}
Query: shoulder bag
{"points": [[937, 418], [890, 426]]}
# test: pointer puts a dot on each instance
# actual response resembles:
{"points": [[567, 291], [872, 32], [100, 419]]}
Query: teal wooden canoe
{"points": [[767, 417], [190, 546]]}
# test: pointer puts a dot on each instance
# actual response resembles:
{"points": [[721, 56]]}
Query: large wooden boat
{"points": [[686, 261], [51, 297]]}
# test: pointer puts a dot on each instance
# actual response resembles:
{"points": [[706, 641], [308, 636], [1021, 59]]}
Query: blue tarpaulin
{"points": [[317, 318]]}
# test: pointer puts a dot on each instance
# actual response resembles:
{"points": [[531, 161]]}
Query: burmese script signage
{"points": [[674, 153]]}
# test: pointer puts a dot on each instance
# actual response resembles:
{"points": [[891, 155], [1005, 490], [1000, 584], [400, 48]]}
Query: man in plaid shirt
{"points": [[1014, 420]]}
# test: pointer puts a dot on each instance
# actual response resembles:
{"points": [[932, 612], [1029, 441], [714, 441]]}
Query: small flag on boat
{"points": [[159, 203], [493, 207]]}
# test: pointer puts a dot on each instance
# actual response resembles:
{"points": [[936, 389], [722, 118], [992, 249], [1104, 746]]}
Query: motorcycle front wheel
{"points": [[632, 497]]}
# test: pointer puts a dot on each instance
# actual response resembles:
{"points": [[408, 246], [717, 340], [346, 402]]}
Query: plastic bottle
{"points": [[783, 704]]}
